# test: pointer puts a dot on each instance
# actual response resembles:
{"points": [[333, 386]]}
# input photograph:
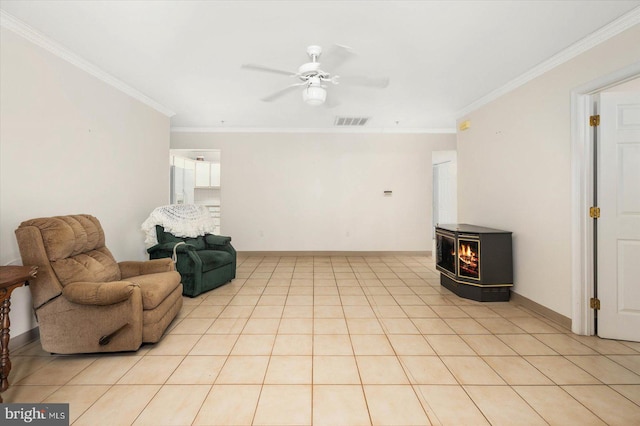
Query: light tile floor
{"points": [[344, 341]]}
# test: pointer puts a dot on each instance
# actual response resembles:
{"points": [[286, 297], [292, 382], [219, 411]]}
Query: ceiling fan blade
{"points": [[335, 56], [279, 93], [361, 80], [267, 69]]}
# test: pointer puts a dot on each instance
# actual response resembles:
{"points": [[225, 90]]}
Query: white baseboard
{"points": [[333, 253], [542, 310]]}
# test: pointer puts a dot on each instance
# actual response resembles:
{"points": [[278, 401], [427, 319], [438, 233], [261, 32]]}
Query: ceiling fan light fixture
{"points": [[312, 77], [314, 95]]}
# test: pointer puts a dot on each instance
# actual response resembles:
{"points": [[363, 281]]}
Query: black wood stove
{"points": [[475, 262]]}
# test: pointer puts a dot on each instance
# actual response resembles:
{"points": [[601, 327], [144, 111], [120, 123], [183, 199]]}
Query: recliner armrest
{"points": [[182, 248], [89, 293], [135, 268], [217, 240]]}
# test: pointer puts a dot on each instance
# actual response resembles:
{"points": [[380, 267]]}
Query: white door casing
{"points": [[582, 189], [618, 189]]}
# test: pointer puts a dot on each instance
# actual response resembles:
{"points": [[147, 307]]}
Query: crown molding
{"points": [[12, 23], [385, 130], [610, 30]]}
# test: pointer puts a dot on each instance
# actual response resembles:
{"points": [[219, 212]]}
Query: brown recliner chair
{"points": [[83, 299]]}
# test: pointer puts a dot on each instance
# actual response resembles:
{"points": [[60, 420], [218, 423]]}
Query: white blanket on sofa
{"points": [[181, 220]]}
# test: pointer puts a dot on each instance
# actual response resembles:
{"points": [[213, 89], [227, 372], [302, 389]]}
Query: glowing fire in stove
{"points": [[467, 253]]}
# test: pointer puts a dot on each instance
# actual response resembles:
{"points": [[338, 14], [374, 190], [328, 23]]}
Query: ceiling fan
{"points": [[313, 78]]}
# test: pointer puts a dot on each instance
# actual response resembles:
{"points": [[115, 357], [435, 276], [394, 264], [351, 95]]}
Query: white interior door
{"points": [[619, 223]]}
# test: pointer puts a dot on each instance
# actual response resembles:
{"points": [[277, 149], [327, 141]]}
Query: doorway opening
{"points": [[195, 179], [445, 189], [583, 187]]}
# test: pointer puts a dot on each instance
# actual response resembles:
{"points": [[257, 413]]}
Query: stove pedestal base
{"points": [[477, 293]]}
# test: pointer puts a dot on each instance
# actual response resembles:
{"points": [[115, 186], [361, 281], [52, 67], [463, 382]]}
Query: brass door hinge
{"points": [[594, 212], [594, 303], [594, 120]]}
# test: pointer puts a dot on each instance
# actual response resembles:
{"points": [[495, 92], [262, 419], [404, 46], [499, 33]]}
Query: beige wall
{"points": [[324, 191], [514, 168], [69, 144]]}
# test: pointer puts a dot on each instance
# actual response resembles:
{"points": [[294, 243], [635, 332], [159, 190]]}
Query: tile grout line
{"points": [[379, 315]]}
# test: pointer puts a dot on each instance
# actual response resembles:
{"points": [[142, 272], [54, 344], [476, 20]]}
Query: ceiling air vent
{"points": [[350, 121]]}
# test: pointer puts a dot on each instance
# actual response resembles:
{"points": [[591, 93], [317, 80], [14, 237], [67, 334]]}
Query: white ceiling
{"points": [[441, 56]]}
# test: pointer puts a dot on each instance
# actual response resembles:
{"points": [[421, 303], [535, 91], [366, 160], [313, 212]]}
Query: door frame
{"points": [[582, 188]]}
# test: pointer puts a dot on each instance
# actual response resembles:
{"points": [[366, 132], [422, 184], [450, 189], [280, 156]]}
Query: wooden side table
{"points": [[11, 277]]}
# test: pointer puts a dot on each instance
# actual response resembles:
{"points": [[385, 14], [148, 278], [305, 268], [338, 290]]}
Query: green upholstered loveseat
{"points": [[204, 262]]}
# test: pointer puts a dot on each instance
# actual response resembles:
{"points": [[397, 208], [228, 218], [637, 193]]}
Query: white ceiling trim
{"points": [[304, 130], [621, 24], [12, 23]]}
